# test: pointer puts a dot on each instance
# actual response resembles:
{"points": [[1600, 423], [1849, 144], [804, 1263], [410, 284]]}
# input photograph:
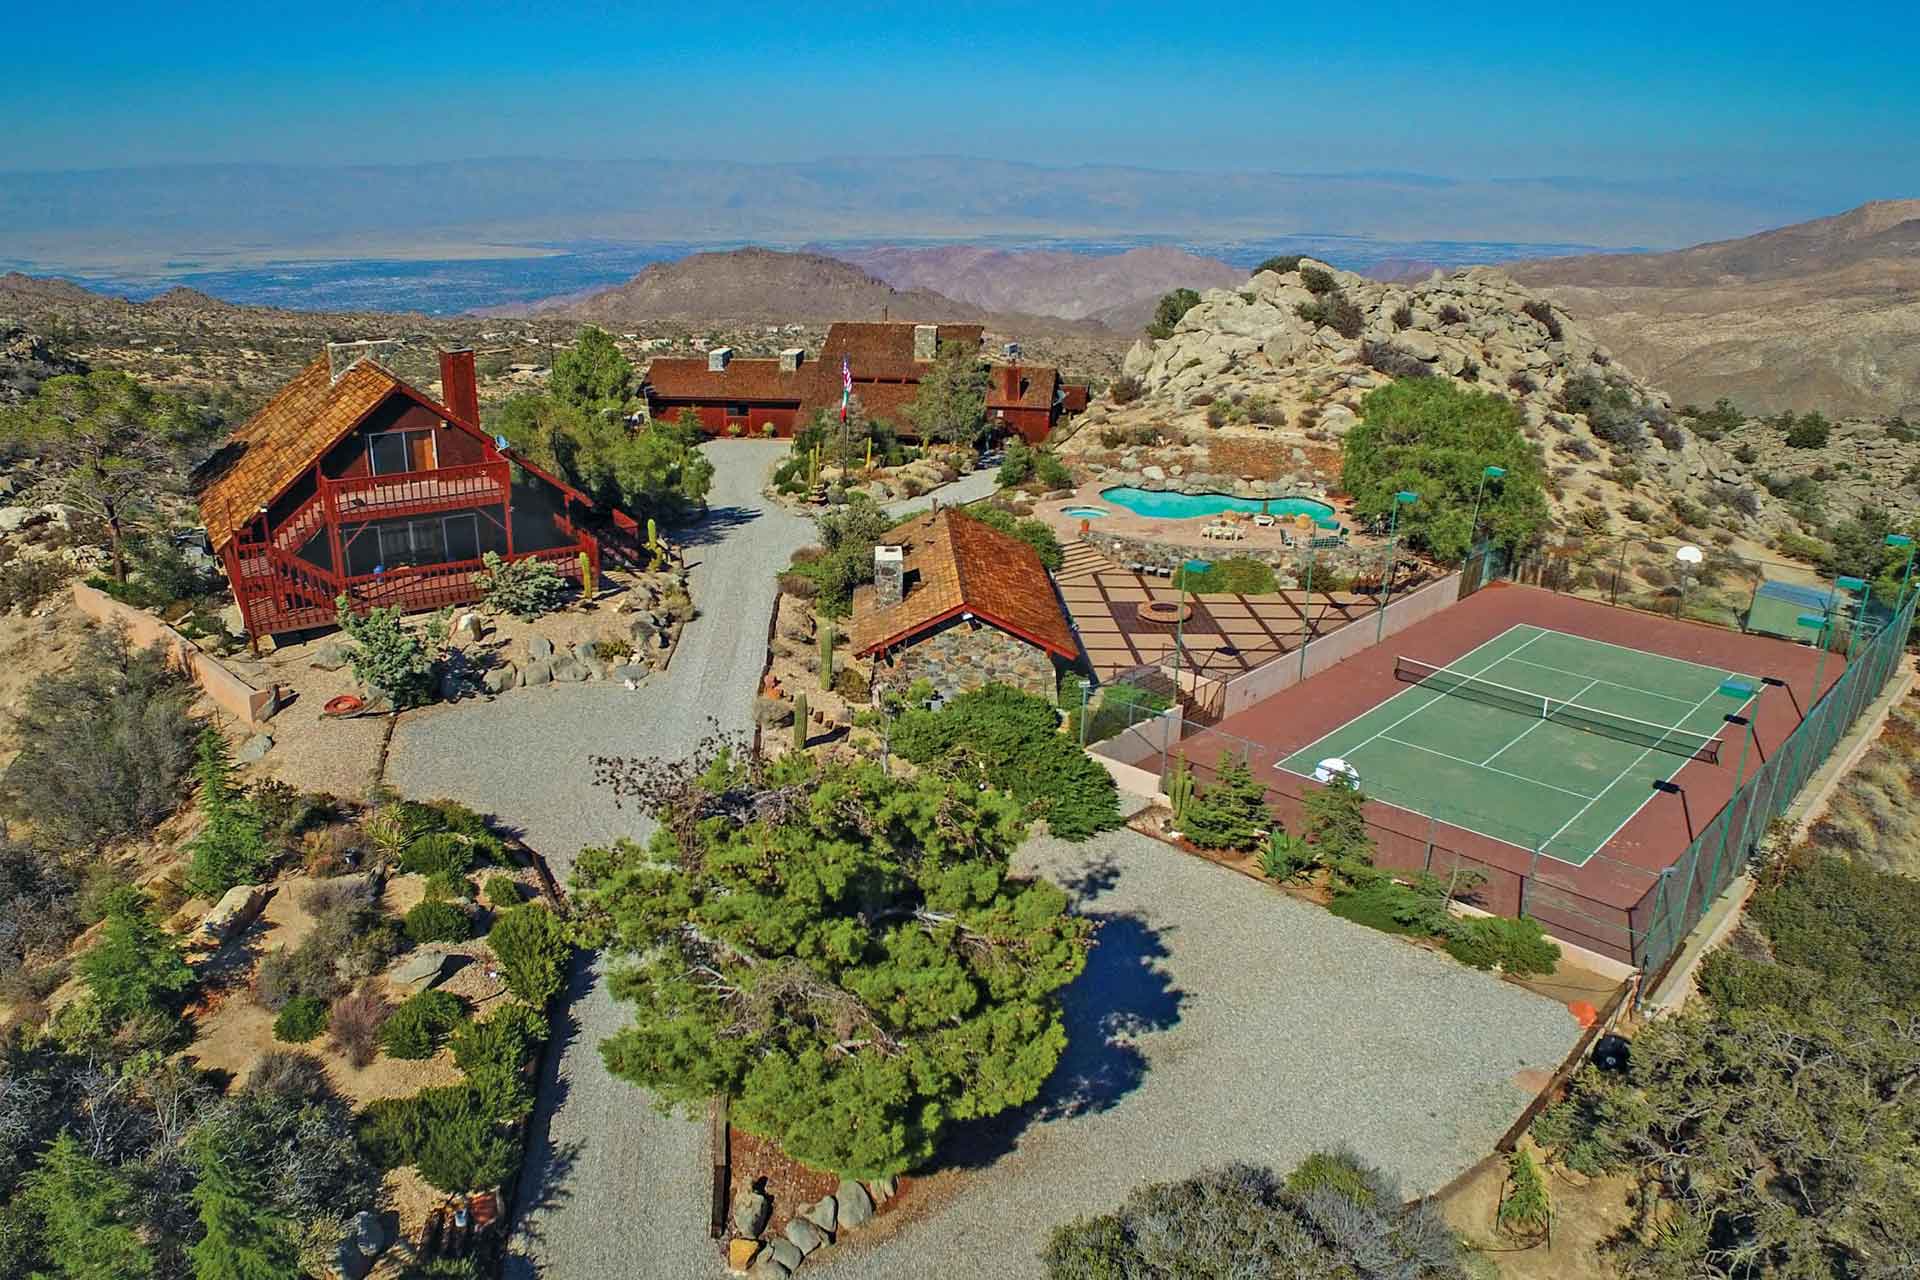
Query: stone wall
{"points": [[1349, 560], [958, 656]]}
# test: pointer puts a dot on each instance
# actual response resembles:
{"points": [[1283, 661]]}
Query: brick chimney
{"points": [[889, 576], [791, 359], [926, 341], [717, 359], [459, 390]]}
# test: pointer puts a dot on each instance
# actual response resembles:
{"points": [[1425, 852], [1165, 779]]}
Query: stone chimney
{"points": [[459, 388], [791, 359], [342, 356], [717, 359], [926, 341], [889, 576]]}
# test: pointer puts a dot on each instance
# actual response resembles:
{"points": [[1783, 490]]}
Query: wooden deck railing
{"points": [[418, 492]]}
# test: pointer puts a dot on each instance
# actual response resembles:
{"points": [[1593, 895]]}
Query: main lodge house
{"points": [[885, 361], [349, 481]]}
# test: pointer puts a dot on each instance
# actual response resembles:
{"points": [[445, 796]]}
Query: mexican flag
{"points": [[846, 388]]}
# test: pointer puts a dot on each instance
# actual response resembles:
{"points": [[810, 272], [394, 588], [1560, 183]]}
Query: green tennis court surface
{"points": [[1538, 738]]}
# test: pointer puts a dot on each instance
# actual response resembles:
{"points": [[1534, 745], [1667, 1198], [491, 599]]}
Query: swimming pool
{"points": [[1182, 506], [1084, 513]]}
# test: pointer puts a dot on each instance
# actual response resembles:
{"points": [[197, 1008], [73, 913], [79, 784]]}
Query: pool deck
{"points": [[1183, 532]]}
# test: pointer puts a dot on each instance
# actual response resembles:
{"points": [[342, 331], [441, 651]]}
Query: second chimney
{"points": [[717, 359], [889, 576], [459, 389], [926, 341], [790, 359]]}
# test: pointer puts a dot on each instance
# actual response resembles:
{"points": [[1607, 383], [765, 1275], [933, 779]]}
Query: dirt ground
{"points": [[796, 670], [1586, 1212]]}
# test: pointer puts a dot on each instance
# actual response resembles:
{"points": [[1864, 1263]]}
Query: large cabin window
{"points": [[392, 452]]}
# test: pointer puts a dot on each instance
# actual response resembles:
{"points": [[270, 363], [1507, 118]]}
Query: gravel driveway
{"points": [[618, 1189], [1220, 1020]]}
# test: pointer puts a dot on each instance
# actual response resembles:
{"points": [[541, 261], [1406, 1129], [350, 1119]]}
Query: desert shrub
{"points": [[1517, 946], [1395, 362], [1669, 435], [1403, 316], [1451, 314], [1050, 471], [231, 848], [27, 582], [1318, 280], [503, 1042], [532, 947], [103, 746], [850, 684], [1265, 412], [1285, 856], [324, 851], [1036, 533], [1737, 498], [391, 658], [1230, 812], [1712, 424], [135, 968], [437, 922], [1281, 264], [1520, 382], [286, 975], [1334, 311], [354, 1025], [447, 886], [1125, 389], [1169, 311], [1542, 313], [38, 914], [501, 892], [458, 1137], [301, 1019], [421, 1023], [288, 1073], [1343, 1218], [1383, 904], [525, 588], [1238, 575], [1809, 431], [1334, 822]]}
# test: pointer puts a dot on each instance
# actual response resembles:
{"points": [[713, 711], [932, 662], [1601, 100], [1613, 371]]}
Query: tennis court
{"points": [[1537, 738]]}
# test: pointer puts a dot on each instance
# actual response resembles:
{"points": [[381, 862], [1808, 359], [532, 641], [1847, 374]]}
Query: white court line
{"points": [[1521, 777], [1670, 777], [1530, 728], [1611, 684], [1417, 710], [1648, 653], [1619, 777], [1455, 823]]}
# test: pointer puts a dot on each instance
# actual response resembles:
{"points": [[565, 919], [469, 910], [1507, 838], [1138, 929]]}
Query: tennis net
{"points": [[1607, 724]]}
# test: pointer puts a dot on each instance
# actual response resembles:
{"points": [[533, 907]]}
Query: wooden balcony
{"points": [[417, 493]]}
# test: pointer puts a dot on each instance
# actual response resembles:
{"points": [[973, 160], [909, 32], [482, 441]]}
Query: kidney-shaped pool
{"points": [[1181, 506]]}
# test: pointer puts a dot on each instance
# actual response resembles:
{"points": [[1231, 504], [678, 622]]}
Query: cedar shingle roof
{"points": [[287, 436], [1037, 384], [688, 378], [955, 563], [885, 349]]}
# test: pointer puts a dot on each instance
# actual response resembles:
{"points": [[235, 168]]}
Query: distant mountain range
{"points": [[1820, 315]]}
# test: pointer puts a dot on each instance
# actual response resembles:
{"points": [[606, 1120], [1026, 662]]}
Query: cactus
{"points": [[813, 466], [800, 723], [869, 453], [826, 656], [656, 549], [1179, 788], [588, 587]]}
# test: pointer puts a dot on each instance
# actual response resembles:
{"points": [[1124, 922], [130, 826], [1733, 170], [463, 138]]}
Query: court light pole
{"points": [[1902, 541], [1405, 497], [1732, 690], [1820, 624], [1865, 589], [1486, 473], [1179, 629]]}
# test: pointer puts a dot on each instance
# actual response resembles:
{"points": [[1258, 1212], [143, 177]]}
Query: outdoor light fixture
{"points": [[1899, 542], [1487, 473], [1406, 497], [1689, 557], [1179, 620]]}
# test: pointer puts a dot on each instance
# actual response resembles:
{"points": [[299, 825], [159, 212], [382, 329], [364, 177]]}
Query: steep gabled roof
{"points": [[1037, 385], [955, 564], [884, 349]]}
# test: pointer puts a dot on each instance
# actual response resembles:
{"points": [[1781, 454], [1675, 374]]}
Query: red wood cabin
{"points": [[351, 481], [886, 360]]}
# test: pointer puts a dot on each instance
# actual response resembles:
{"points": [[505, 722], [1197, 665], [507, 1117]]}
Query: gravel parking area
{"points": [[1219, 1020]]}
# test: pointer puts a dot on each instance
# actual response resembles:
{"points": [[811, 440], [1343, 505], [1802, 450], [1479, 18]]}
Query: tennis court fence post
{"points": [[1533, 869]]}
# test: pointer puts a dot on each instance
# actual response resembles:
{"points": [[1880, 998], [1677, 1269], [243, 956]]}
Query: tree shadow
{"points": [[547, 1168], [1124, 993], [714, 526]]}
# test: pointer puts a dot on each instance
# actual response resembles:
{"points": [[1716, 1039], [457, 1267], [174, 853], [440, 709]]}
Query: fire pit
{"points": [[1166, 611]]}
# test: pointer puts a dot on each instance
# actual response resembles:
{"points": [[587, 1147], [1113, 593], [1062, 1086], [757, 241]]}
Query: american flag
{"points": [[846, 387]]}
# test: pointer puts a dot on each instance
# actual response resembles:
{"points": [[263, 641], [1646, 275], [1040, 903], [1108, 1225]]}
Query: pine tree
{"points": [[1228, 814], [847, 954], [230, 848], [244, 1240], [85, 1209], [136, 967]]}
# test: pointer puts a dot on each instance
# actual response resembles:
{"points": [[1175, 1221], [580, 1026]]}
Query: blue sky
{"points": [[1769, 96]]}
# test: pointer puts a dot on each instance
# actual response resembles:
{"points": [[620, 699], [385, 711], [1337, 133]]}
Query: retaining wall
{"points": [[228, 691]]}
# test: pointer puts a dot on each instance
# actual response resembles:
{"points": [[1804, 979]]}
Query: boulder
{"points": [[635, 671], [349, 1263], [883, 1189], [825, 1214], [469, 627], [805, 1236], [571, 671], [13, 519], [740, 1254], [540, 671], [501, 678], [768, 1268], [539, 648], [856, 1206], [420, 971], [238, 907], [254, 749], [586, 651], [371, 1233], [773, 713], [61, 516], [750, 1212], [1154, 472], [783, 1252], [332, 656]]}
